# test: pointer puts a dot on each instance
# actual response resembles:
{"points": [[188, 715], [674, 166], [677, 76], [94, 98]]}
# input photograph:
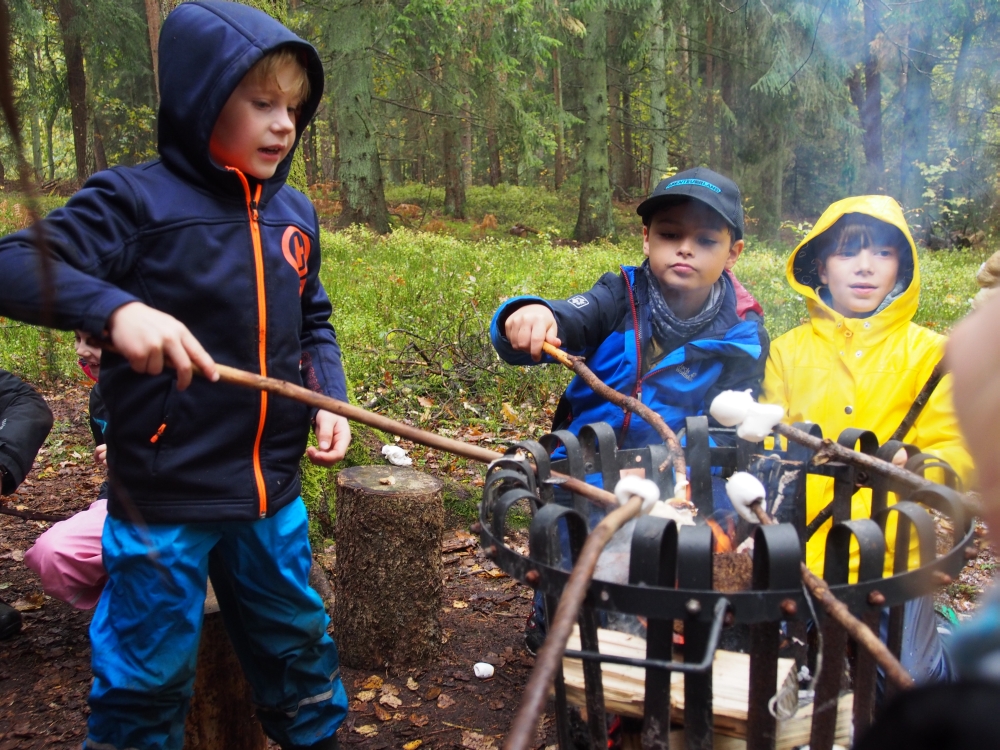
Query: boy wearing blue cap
{"points": [[203, 255], [673, 332]]}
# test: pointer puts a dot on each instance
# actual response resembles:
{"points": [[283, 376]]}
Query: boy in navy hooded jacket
{"points": [[205, 247]]}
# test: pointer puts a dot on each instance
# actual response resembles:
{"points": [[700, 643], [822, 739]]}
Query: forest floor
{"points": [[45, 671]]}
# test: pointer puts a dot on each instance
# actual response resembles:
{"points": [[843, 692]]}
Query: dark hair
{"points": [[857, 232], [717, 222]]}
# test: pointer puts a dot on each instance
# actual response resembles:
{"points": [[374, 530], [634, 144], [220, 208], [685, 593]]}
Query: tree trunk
{"points": [[953, 179], [388, 567], [616, 151], [871, 111], [560, 165], [451, 142], [493, 146], [36, 133], [466, 150], [49, 127], [595, 218], [916, 116], [725, 127], [362, 192], [153, 26], [628, 157], [76, 82], [710, 92], [305, 145], [659, 161], [100, 158]]}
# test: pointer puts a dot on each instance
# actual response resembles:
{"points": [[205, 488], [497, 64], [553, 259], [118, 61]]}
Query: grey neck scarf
{"points": [[669, 330]]}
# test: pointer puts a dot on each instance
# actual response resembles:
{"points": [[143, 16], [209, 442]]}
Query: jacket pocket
{"points": [[161, 437]]}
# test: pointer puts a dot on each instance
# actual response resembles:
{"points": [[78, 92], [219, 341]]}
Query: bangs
{"points": [[266, 71]]}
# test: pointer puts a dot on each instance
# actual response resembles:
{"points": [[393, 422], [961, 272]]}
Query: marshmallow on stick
{"points": [[732, 408]]}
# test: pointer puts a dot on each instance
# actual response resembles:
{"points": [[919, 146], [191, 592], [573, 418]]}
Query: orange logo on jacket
{"points": [[295, 247]]}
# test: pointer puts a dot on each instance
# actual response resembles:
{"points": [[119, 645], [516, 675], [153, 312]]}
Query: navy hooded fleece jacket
{"points": [[177, 234]]}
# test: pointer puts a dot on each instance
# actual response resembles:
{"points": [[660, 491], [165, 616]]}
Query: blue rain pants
{"points": [[145, 631]]}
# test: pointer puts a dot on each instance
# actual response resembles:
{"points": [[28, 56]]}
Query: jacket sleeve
{"points": [[67, 265], [584, 320], [25, 421], [741, 373], [936, 432], [318, 339]]}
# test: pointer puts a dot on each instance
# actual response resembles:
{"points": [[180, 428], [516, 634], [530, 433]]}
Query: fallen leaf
{"points": [[357, 707], [509, 414], [367, 730], [412, 684], [381, 714], [373, 683], [419, 720], [391, 701], [476, 741], [413, 745], [399, 716], [425, 402], [29, 603], [390, 689], [433, 693], [496, 705], [445, 701], [365, 695], [387, 480], [459, 604], [18, 555]]}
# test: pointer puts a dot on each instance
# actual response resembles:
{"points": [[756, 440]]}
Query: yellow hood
{"points": [[801, 270]]}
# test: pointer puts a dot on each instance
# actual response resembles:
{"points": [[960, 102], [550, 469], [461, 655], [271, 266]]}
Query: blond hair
{"points": [[266, 70]]}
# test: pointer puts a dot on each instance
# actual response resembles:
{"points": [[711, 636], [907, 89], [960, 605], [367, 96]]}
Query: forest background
{"points": [[469, 150]]}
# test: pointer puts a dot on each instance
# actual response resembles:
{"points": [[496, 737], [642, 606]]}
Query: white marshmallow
{"points": [[730, 407], [482, 670], [744, 490], [632, 485], [760, 420], [396, 455]]}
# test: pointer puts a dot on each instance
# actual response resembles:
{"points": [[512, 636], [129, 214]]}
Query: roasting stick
{"points": [[860, 632], [627, 403], [536, 692], [232, 375]]}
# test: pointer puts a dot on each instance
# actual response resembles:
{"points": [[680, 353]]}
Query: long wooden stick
{"points": [[599, 497], [860, 632], [536, 692], [650, 417]]}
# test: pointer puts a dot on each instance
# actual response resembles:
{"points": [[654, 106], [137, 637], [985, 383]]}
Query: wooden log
{"points": [[222, 713], [388, 571]]}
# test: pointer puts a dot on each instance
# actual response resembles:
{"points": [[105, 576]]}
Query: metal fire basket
{"points": [[670, 570]]}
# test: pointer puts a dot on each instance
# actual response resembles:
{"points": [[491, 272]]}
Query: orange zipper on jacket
{"points": [[258, 259]]}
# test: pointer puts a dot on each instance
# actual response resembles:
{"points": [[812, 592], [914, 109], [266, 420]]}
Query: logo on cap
{"points": [[699, 183]]}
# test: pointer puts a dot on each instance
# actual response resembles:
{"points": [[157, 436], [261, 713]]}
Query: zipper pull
{"points": [[253, 208]]}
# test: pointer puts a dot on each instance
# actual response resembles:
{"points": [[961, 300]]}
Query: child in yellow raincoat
{"points": [[860, 361]]}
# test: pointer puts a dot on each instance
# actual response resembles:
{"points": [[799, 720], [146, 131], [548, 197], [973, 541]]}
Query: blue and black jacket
{"points": [[236, 260], [610, 326]]}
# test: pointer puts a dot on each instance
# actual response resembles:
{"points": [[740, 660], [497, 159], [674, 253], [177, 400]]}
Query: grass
{"points": [[412, 309]]}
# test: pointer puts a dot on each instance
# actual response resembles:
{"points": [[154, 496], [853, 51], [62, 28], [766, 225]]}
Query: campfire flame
{"points": [[723, 543]]}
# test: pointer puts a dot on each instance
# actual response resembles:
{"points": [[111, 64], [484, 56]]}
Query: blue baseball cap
{"points": [[701, 184]]}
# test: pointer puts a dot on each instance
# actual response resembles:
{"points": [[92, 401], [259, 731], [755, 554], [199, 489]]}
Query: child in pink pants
{"points": [[67, 557]]}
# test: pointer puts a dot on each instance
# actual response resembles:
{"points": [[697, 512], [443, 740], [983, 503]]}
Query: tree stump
{"points": [[222, 713], [388, 572]]}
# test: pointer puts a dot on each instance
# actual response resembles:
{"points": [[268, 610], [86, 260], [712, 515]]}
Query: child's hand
{"points": [[529, 326], [333, 434], [150, 339], [101, 454]]}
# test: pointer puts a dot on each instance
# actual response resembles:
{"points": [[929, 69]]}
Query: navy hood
{"points": [[206, 48]]}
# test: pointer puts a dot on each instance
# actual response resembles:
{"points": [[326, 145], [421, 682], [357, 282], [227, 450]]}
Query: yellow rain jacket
{"points": [[860, 372]]}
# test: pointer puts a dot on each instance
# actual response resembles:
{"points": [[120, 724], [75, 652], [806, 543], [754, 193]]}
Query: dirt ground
{"points": [[45, 671]]}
